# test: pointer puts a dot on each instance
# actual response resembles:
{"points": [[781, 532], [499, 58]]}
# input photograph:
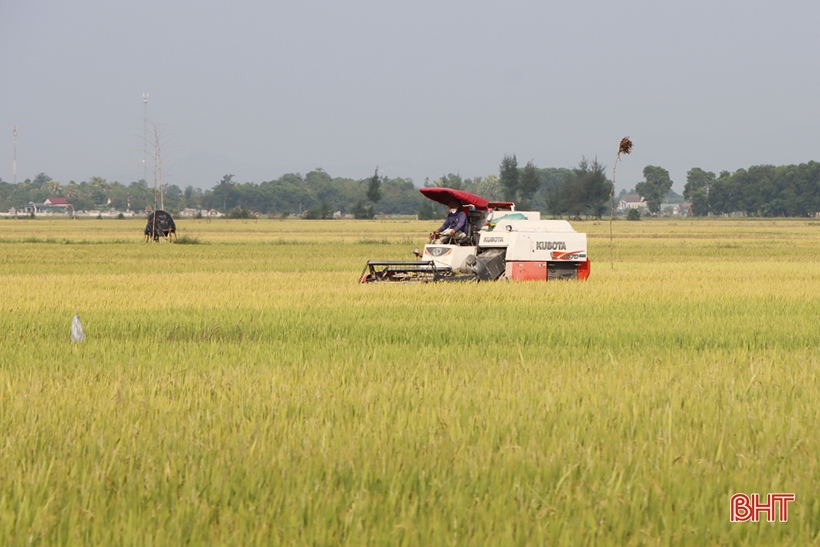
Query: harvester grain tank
{"points": [[501, 243]]}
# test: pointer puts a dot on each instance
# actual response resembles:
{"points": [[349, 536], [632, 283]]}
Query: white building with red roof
{"points": [[52, 205], [632, 201]]}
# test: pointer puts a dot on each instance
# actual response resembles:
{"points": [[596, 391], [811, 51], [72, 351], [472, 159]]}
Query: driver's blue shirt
{"points": [[457, 221]]}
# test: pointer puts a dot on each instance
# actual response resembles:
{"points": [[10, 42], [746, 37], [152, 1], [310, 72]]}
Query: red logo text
{"points": [[775, 508]]}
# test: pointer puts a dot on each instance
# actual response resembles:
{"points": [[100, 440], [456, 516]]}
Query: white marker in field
{"points": [[77, 329]]}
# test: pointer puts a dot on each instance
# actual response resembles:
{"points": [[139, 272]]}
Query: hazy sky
{"points": [[261, 88]]}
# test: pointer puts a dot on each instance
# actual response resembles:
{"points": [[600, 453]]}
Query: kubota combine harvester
{"points": [[501, 243]]}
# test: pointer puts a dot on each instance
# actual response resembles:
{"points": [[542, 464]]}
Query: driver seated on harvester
{"points": [[454, 229]]}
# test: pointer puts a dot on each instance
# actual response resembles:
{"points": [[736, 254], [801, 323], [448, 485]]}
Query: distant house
{"points": [[631, 201], [53, 205]]}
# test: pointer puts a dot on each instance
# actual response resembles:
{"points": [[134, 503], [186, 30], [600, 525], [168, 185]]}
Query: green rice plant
{"points": [[187, 240], [251, 392]]}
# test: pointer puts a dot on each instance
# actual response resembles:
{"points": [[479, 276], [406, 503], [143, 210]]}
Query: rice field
{"points": [[244, 389]]}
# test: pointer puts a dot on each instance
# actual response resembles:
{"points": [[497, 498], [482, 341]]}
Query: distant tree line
{"points": [[761, 190], [95, 193], [582, 191], [315, 195]]}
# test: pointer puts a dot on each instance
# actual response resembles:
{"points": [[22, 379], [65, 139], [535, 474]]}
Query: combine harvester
{"points": [[501, 243]]}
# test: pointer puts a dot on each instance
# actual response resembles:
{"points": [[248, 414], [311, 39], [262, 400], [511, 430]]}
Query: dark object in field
{"points": [[625, 146], [160, 224]]}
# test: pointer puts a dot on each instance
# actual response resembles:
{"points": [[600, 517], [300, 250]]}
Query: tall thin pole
{"points": [[14, 160], [158, 167], [624, 147], [145, 137], [611, 209]]}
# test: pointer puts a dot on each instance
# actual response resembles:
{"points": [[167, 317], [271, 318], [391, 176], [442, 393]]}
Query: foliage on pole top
{"points": [[625, 147]]}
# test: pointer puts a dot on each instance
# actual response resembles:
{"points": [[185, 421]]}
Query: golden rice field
{"points": [[247, 390]]}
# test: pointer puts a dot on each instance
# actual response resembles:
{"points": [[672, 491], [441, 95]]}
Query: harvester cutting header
{"points": [[496, 242]]}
